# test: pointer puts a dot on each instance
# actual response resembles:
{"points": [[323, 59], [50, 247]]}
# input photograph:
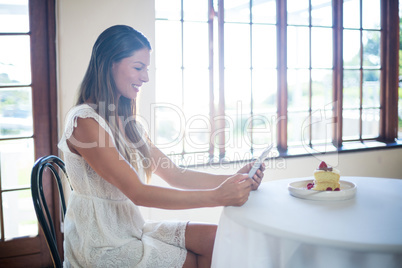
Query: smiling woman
{"points": [[130, 73], [108, 158]]}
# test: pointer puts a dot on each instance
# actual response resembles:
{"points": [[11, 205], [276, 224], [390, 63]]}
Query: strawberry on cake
{"points": [[326, 178]]}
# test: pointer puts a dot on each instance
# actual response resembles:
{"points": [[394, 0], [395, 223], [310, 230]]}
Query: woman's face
{"points": [[130, 73]]}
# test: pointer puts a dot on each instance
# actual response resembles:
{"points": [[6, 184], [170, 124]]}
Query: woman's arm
{"points": [[105, 159], [185, 178]]}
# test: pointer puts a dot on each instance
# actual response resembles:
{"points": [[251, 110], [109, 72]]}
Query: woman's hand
{"points": [[234, 191], [257, 178]]}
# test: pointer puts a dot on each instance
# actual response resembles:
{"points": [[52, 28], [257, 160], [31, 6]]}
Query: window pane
{"points": [[321, 47], [195, 10], [169, 126], [19, 214], [371, 88], [351, 123], [298, 12], [351, 49], [298, 47], [264, 90], [371, 14], [298, 89], [15, 65], [17, 159], [351, 14], [198, 130], [168, 9], [169, 86], [351, 89], [168, 58], [195, 47], [298, 124], [321, 125], [168, 42], [371, 48], [16, 112], [261, 129], [236, 131], [196, 92], [237, 90], [321, 88], [14, 16], [264, 11], [237, 11], [321, 12], [371, 123], [264, 46], [237, 46]]}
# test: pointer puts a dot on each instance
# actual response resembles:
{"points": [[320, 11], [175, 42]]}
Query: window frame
{"points": [[388, 131], [390, 71], [33, 251], [389, 54]]}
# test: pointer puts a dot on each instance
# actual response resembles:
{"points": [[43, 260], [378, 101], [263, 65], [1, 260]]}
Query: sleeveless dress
{"points": [[102, 227]]}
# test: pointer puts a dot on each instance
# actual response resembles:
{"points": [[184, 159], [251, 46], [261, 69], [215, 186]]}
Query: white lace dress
{"points": [[103, 228]]}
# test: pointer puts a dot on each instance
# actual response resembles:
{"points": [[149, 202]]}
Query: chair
{"points": [[39, 200]]}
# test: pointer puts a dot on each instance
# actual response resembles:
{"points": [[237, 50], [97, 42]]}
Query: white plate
{"points": [[299, 189]]}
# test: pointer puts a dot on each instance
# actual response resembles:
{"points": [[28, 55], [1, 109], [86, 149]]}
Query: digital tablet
{"points": [[259, 161]]}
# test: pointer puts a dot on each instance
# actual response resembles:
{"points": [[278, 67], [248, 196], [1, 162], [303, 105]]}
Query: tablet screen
{"points": [[259, 161]]}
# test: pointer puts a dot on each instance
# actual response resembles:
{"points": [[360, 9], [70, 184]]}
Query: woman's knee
{"points": [[200, 237], [191, 260]]}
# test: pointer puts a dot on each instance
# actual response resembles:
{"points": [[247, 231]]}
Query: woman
{"points": [[108, 155]]}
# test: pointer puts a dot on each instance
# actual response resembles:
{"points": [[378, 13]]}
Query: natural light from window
{"points": [[17, 217], [199, 96]]}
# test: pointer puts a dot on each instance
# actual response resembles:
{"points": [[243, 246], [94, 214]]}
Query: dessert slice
{"points": [[326, 178]]}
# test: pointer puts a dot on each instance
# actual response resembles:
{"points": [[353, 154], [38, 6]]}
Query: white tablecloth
{"points": [[275, 229]]}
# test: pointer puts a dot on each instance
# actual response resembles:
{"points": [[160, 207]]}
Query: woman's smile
{"points": [[137, 88], [131, 72]]}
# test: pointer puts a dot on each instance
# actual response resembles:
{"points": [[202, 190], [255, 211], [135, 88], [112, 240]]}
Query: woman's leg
{"points": [[200, 238]]}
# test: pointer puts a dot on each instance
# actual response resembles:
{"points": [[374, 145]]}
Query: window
{"points": [[16, 128], [309, 76], [27, 114], [309, 71], [400, 75], [361, 70]]}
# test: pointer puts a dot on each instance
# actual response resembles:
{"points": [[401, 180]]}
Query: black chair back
{"points": [[39, 200]]}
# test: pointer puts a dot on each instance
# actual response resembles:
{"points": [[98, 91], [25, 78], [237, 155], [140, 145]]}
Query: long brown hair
{"points": [[99, 88]]}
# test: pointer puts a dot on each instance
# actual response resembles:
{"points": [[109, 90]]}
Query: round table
{"points": [[275, 229]]}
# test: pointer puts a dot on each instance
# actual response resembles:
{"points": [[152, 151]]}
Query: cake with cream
{"points": [[326, 178]]}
